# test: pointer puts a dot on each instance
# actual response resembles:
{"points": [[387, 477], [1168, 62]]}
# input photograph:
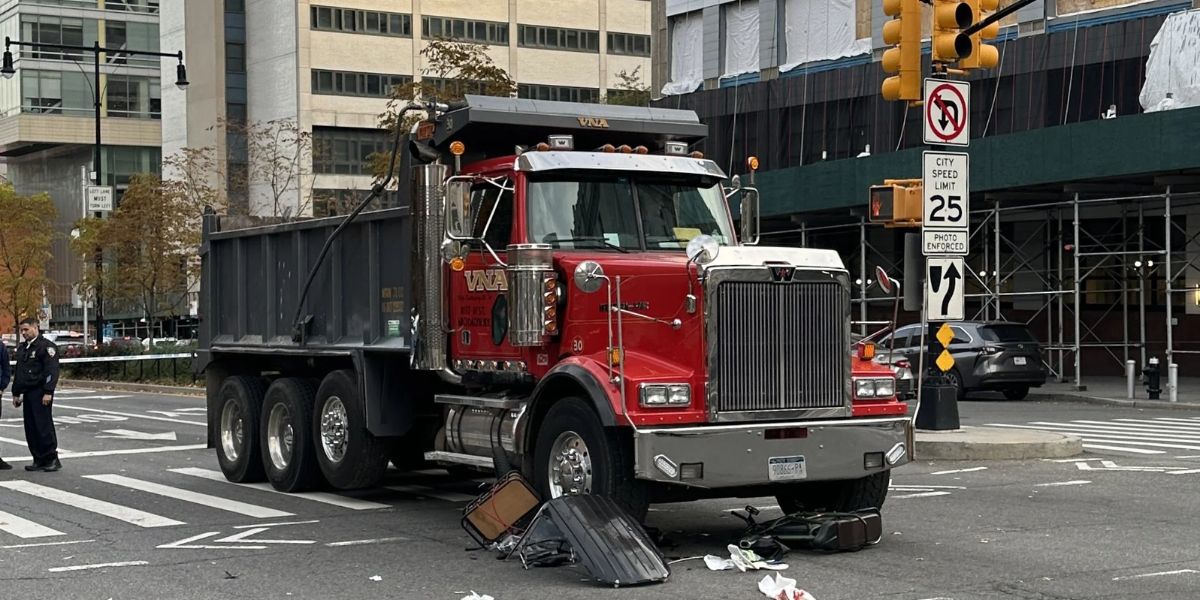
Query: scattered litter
{"points": [[716, 563], [679, 560], [500, 511], [831, 531], [376, 578], [475, 596], [229, 575], [782, 588], [743, 560]]}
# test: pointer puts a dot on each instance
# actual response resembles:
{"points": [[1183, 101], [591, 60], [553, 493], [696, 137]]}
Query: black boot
{"points": [[52, 466], [4, 466], [36, 466]]}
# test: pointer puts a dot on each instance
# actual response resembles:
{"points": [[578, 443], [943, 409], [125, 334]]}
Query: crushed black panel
{"points": [[611, 545]]}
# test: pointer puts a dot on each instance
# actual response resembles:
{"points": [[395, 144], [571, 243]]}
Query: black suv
{"points": [[988, 356]]}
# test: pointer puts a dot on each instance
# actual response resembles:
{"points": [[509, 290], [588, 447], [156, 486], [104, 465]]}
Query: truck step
{"points": [[482, 462], [478, 401]]}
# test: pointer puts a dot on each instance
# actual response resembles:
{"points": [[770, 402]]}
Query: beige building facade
{"points": [[330, 65]]}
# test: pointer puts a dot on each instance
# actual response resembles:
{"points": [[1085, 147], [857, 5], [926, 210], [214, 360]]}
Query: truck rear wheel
{"points": [[239, 404], [286, 439], [349, 456], [574, 454], [839, 496]]}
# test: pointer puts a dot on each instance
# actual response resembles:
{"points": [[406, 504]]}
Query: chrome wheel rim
{"points": [[279, 436], [570, 468], [334, 435], [232, 430]]}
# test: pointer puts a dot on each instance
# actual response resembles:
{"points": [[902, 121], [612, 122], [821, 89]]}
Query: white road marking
{"points": [[1123, 431], [114, 452], [1062, 483], [277, 524], [186, 544], [15, 546], [1165, 424], [73, 391], [1187, 472], [761, 508], [250, 510], [427, 492], [1110, 438], [324, 497], [365, 542], [972, 469], [1122, 449], [24, 528], [241, 538], [128, 563], [920, 495], [126, 414], [22, 443], [897, 487], [1159, 574], [141, 436], [100, 507]]}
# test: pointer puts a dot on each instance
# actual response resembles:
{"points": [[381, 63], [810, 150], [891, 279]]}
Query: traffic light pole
{"points": [[996, 16]]}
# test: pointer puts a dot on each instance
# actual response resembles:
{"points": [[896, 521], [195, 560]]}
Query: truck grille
{"points": [[779, 346]]}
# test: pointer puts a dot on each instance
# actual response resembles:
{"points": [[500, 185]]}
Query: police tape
{"points": [[101, 359]]}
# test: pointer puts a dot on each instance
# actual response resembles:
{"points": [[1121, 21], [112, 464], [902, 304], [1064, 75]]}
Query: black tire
{"points": [[290, 467], [839, 496], [1016, 393], [955, 379], [357, 459], [610, 455], [238, 451]]}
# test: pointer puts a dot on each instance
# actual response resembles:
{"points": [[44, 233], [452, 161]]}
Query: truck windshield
{"points": [[627, 212]]}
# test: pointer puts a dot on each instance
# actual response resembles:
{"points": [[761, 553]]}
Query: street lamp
{"points": [[7, 70]]}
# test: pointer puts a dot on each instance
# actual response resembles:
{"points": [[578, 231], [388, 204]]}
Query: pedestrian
{"points": [[5, 377], [33, 387]]}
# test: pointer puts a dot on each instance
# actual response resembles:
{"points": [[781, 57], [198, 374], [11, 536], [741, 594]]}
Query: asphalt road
{"points": [[137, 494]]}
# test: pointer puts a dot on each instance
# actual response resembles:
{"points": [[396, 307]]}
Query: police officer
{"points": [[5, 377], [33, 386]]}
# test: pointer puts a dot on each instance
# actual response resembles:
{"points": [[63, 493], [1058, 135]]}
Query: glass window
{"points": [[235, 57], [674, 213], [490, 200], [349, 20], [628, 44], [554, 38], [582, 213], [346, 151]]}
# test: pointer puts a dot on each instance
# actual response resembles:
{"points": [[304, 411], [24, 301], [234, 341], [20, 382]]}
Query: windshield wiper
{"points": [[599, 240]]}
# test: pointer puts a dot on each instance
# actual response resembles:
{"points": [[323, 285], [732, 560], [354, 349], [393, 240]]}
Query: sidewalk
{"points": [[1112, 390], [125, 386]]}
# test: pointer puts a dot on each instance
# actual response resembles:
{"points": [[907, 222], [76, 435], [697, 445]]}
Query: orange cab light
{"points": [[457, 148], [457, 264], [697, 154], [542, 147], [614, 356], [641, 150], [866, 351], [752, 163], [608, 148], [624, 149]]}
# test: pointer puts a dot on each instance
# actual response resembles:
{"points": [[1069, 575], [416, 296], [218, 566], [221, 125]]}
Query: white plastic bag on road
{"points": [[475, 596], [782, 588]]}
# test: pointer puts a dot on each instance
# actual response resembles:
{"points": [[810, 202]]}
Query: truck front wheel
{"points": [[838, 496], [349, 456], [575, 454], [239, 403]]}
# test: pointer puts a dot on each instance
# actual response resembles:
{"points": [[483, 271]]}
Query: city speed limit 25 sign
{"points": [[944, 224]]}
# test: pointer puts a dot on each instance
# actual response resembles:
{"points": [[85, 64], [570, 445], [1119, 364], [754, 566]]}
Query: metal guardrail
{"points": [[131, 357]]}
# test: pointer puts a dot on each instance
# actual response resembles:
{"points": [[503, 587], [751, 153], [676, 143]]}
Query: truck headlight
{"points": [[885, 387], [864, 388], [665, 394]]}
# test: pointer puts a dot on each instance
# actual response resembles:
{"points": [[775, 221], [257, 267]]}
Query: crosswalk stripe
{"points": [[250, 510], [428, 492], [1192, 420], [1132, 433], [334, 499], [1117, 440], [1158, 424], [24, 528], [1123, 449], [100, 507], [1102, 436]]}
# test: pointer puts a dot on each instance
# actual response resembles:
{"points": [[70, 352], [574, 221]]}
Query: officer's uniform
{"points": [[36, 376]]}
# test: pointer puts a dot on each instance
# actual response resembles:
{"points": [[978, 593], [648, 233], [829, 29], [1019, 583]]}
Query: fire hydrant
{"points": [[1153, 389]]}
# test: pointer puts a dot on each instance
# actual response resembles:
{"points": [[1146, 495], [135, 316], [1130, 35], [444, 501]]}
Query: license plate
{"points": [[1018, 360], [786, 468]]}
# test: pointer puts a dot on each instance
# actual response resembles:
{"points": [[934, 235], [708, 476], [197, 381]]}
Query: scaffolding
{"points": [[1066, 267]]}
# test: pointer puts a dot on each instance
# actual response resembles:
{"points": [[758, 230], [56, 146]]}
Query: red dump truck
{"points": [[561, 290]]}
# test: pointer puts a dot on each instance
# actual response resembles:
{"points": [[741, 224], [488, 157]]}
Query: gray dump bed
{"points": [[253, 277]]}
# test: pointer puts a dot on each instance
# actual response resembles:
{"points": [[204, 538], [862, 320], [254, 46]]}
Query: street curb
{"points": [[1085, 399], [122, 386], [1050, 445]]}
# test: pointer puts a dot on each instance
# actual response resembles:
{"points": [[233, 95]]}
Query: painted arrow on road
{"points": [[129, 434]]}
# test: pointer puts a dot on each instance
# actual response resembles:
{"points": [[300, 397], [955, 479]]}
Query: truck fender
{"points": [[573, 376]]}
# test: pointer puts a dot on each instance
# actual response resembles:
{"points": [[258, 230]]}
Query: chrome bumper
{"points": [[737, 455]]}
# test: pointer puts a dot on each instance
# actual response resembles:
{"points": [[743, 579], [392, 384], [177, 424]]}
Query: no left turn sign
{"points": [[947, 112]]}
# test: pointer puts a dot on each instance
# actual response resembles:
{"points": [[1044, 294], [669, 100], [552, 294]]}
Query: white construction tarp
{"points": [[820, 30], [741, 38], [1173, 69], [687, 54]]}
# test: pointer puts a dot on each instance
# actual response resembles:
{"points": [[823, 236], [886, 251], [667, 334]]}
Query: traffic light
{"points": [[950, 17], [983, 56], [903, 32], [896, 203]]}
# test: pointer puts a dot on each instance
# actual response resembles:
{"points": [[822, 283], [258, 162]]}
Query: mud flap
{"points": [[595, 532]]}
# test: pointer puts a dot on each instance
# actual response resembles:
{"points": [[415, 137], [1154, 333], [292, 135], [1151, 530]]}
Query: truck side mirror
{"points": [[458, 210], [749, 232]]}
